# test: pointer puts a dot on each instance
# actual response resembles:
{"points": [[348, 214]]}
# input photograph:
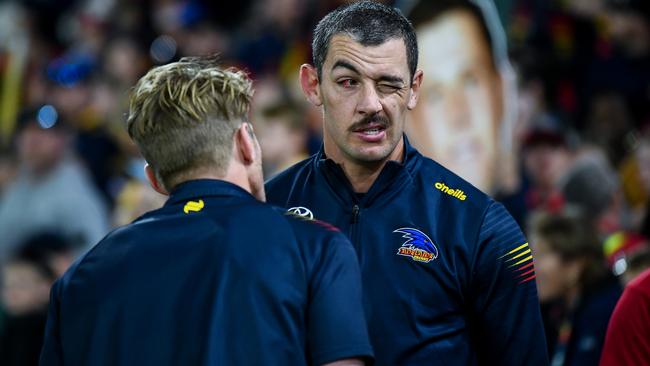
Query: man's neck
{"points": [[362, 175]]}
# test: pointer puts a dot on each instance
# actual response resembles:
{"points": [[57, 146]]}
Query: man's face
{"points": [[365, 93], [458, 120]]}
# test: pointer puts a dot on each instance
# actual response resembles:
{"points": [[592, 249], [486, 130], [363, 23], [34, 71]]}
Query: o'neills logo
{"points": [[457, 193]]}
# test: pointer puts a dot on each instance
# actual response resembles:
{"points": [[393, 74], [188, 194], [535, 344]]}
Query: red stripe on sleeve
{"points": [[527, 279]]}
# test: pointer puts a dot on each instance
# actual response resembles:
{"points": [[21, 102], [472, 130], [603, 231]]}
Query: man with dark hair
{"points": [[192, 283], [448, 275]]}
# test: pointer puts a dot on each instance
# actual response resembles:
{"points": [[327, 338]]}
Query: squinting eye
{"points": [[388, 88]]}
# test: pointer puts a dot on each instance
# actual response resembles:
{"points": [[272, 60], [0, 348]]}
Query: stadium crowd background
{"points": [[69, 173]]}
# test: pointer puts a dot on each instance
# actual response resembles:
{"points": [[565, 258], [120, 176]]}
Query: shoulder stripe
{"points": [[527, 251], [532, 277], [515, 250], [522, 261]]}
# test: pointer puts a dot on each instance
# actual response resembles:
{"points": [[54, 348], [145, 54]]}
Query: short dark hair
{"points": [[368, 23]]}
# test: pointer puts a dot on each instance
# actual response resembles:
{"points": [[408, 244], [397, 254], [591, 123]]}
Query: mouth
{"points": [[373, 130], [371, 133]]}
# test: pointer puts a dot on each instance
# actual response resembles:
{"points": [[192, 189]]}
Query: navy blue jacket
{"points": [[447, 273], [214, 277]]}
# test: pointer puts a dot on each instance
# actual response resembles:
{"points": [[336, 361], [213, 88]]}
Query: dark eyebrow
{"points": [[346, 65]]}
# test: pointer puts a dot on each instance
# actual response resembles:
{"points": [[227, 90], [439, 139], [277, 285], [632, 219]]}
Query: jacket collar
{"points": [[206, 187], [394, 174]]}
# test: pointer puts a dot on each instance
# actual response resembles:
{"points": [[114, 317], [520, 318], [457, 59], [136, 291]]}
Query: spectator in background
{"points": [[627, 72], [465, 116], [628, 335], [283, 137], [26, 282], [546, 158], [52, 190], [592, 185], [575, 288], [562, 171]]}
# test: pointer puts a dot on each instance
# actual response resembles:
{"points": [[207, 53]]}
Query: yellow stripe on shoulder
{"points": [[522, 246]]}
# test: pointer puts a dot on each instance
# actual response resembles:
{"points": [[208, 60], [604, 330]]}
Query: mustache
{"points": [[374, 119]]}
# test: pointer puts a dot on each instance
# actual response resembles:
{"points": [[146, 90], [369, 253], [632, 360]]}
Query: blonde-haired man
{"points": [[214, 277]]}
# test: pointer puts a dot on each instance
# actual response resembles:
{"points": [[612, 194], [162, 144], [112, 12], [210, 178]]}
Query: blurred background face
{"points": [[460, 108], [282, 145], [24, 288], [273, 136], [544, 164], [40, 149], [554, 276]]}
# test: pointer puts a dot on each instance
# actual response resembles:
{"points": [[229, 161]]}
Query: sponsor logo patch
{"points": [[456, 193], [193, 206], [301, 211]]}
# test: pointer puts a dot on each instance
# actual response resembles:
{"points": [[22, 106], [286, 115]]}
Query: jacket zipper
{"points": [[355, 213], [354, 222]]}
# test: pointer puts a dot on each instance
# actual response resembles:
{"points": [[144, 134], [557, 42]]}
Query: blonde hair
{"points": [[183, 116]]}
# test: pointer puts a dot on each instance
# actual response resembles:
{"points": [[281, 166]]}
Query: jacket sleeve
{"points": [[505, 321], [336, 322], [52, 353], [628, 334]]}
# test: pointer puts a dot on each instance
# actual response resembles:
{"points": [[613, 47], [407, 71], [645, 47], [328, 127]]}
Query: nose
{"points": [[369, 101]]}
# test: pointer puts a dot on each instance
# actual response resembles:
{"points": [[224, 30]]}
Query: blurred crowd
{"points": [[550, 113]]}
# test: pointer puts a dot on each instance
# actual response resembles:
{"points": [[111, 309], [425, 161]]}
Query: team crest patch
{"points": [[418, 246]]}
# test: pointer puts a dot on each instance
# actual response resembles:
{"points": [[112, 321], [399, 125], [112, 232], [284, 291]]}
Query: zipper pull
{"points": [[355, 213]]}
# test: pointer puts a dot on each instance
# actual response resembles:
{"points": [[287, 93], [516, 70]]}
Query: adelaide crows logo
{"points": [[418, 246]]}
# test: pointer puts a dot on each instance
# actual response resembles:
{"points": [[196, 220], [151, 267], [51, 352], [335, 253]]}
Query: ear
{"points": [[153, 180], [310, 84], [415, 89], [246, 143]]}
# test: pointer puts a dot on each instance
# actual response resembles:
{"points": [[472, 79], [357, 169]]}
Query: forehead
{"points": [[388, 57], [452, 42]]}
